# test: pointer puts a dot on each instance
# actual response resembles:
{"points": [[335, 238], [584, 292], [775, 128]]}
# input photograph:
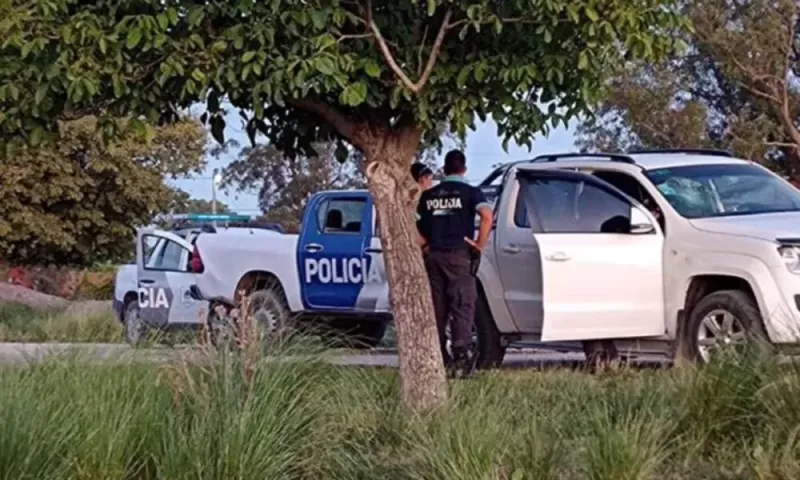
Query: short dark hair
{"points": [[455, 163], [419, 170]]}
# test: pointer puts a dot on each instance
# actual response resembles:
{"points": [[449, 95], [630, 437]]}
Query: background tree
{"points": [[377, 74], [734, 88], [283, 183], [77, 202]]}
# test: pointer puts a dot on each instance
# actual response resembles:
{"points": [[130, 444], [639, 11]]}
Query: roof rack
{"points": [[701, 151], [614, 157]]}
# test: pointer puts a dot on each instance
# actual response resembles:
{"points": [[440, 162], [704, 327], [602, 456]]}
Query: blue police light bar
{"points": [[210, 217]]}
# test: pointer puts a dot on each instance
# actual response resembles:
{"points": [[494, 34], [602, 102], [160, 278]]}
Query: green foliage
{"points": [[306, 68], [726, 91], [78, 201]]}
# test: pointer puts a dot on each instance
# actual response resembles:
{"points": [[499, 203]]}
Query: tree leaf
{"points": [[196, 15], [354, 94], [133, 37], [41, 93], [163, 20], [372, 69], [36, 136], [592, 14], [218, 128], [173, 15], [319, 18], [325, 65], [248, 56], [583, 61]]}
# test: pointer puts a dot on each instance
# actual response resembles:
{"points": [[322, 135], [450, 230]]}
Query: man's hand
{"points": [[472, 243]]}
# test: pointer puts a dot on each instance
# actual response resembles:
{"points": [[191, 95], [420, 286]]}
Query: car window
{"points": [[149, 247], [167, 254], [341, 215], [700, 191], [634, 189], [572, 206]]}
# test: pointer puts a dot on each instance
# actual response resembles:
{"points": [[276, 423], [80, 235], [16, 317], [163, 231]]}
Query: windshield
{"points": [[701, 191]]}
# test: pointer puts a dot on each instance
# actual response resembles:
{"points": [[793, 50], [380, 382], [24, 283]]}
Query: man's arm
{"points": [[485, 228], [484, 210]]}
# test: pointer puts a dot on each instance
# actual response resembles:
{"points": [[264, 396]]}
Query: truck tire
{"points": [[136, 331], [490, 348], [726, 318], [268, 309]]}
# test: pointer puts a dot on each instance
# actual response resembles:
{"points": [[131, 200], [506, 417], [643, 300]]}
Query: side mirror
{"points": [[640, 222]]}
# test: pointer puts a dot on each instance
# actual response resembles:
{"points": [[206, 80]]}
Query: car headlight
{"points": [[791, 257]]}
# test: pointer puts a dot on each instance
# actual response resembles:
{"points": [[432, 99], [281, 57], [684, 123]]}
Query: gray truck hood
{"points": [[767, 226]]}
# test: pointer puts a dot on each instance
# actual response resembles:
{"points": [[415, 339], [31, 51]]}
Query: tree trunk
{"points": [[422, 379]]}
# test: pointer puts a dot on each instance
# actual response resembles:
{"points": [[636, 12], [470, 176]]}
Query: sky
{"points": [[484, 149]]}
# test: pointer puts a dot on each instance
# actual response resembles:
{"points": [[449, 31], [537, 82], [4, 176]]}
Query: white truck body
{"points": [[157, 288]]}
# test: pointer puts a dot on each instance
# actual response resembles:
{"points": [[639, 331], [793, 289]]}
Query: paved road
{"points": [[26, 353]]}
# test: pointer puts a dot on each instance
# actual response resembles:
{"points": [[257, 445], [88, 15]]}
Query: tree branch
{"points": [[417, 86], [786, 112], [353, 37], [347, 128]]}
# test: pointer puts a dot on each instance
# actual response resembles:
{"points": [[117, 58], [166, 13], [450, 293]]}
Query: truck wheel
{"points": [[722, 320], [269, 313], [360, 334], [136, 330], [490, 348]]}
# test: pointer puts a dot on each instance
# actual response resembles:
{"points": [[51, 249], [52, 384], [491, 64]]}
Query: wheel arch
{"points": [[127, 298], [257, 280], [703, 285]]}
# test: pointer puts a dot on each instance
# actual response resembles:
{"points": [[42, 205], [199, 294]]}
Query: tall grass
{"points": [[19, 323], [239, 416]]}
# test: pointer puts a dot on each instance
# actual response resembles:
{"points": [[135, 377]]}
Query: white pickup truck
{"points": [[672, 252], [154, 293]]}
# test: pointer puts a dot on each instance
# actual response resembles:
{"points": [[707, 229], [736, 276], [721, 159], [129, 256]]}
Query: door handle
{"points": [[313, 247], [512, 249], [374, 250], [558, 257], [146, 282]]}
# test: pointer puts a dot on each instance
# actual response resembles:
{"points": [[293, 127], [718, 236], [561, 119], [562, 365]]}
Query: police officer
{"points": [[447, 235], [422, 174]]}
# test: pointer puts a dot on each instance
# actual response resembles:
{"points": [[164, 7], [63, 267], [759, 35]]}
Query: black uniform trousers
{"points": [[454, 295]]}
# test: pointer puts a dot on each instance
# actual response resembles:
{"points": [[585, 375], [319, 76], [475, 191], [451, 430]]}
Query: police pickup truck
{"points": [[153, 293], [676, 252]]}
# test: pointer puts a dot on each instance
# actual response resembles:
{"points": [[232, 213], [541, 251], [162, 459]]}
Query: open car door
{"points": [[164, 279], [601, 257]]}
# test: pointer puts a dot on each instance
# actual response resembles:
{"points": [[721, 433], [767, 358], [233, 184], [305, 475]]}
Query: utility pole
{"points": [[214, 179]]}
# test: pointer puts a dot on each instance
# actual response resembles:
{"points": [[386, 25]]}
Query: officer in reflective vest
{"points": [[447, 235]]}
